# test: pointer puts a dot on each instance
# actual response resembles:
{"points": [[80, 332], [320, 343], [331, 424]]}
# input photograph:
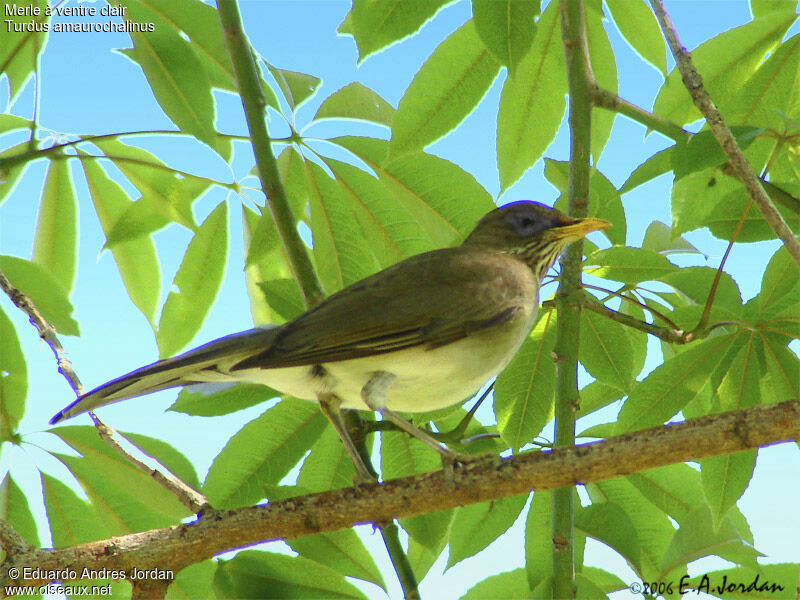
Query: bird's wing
{"points": [[173, 372], [429, 300]]}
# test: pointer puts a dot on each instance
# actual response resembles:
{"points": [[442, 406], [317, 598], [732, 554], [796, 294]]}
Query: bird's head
{"points": [[535, 233]]}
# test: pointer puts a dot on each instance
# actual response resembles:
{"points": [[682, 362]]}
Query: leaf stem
{"points": [[611, 101]]}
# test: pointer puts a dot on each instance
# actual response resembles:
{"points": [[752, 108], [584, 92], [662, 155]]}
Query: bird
{"points": [[420, 335]]}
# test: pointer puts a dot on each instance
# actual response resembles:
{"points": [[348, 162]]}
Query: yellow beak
{"points": [[581, 227]]}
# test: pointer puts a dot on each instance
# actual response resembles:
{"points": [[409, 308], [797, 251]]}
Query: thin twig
{"points": [[673, 336], [188, 496], [11, 541], [744, 172]]}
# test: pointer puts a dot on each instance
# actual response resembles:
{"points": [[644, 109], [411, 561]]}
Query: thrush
{"points": [[423, 334]]}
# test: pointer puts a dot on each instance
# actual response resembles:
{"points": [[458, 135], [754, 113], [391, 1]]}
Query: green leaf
{"points": [[296, 87], [597, 395], [442, 198], [671, 385], [725, 216], [125, 499], [15, 510], [783, 370], [478, 525], [604, 67], [628, 265], [446, 89], [781, 278], [506, 28], [20, 50], [168, 193], [211, 400], [167, 455], [389, 230], [653, 528], [55, 245], [702, 151], [659, 238], [696, 282], [770, 93], [606, 350], [509, 585], [195, 284], [46, 292], [726, 62], [194, 581], [375, 24], [136, 260], [725, 478], [356, 101], [10, 175], [343, 551], [250, 573], [342, 255], [404, 456], [605, 581], [697, 197], [176, 75], [655, 166], [284, 296], [539, 538], [639, 27], [200, 23], [262, 452], [532, 103], [72, 520], [610, 524], [524, 391], [697, 537], [13, 378], [674, 489], [328, 466]]}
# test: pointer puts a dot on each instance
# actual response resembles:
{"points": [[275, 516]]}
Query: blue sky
{"points": [[87, 88]]}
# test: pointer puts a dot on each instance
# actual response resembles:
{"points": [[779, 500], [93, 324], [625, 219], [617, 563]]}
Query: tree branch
{"points": [[185, 494], [249, 84], [742, 169], [479, 481], [610, 101]]}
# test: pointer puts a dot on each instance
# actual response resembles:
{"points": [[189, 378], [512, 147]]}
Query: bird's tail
{"points": [[215, 357]]}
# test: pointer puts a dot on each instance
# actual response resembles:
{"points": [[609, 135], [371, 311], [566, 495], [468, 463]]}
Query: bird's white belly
{"points": [[425, 379]]}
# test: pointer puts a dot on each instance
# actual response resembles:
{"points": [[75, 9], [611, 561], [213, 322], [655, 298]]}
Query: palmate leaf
{"points": [[55, 245], [524, 391], [655, 166], [262, 452], [20, 50], [296, 87], [606, 350], [506, 28], [609, 523], [72, 520], [195, 284], [328, 466], [509, 585], [252, 574], [532, 103], [448, 86], [658, 237], [628, 265]]}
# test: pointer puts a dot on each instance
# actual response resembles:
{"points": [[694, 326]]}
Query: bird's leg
{"points": [[374, 396], [329, 405]]}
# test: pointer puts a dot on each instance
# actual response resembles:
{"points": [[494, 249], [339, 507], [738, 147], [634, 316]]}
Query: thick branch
{"points": [[249, 84], [483, 480], [568, 297], [694, 84]]}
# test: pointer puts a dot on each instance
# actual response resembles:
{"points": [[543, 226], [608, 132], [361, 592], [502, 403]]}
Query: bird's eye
{"points": [[527, 225]]}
